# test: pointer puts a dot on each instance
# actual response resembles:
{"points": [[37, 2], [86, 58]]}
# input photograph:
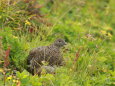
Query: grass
{"points": [[88, 28]]}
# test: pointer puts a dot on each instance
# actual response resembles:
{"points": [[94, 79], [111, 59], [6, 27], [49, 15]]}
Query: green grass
{"points": [[87, 26]]}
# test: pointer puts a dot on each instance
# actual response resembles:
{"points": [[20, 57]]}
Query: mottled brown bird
{"points": [[50, 54]]}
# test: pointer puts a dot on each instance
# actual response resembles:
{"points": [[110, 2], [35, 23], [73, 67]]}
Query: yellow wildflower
{"points": [[70, 69], [0, 17], [9, 78], [15, 37], [104, 70], [15, 81], [103, 32], [27, 22]]}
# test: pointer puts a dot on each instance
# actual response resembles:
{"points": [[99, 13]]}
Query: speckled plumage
{"points": [[50, 54]]}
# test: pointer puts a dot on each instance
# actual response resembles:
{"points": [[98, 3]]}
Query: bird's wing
{"points": [[35, 53]]}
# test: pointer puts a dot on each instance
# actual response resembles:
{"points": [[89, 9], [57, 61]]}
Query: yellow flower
{"points": [[103, 32], [109, 35], [70, 69], [15, 37], [10, 77], [104, 70], [0, 17], [15, 81], [27, 22]]}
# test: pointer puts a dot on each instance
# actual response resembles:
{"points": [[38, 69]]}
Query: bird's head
{"points": [[59, 43]]}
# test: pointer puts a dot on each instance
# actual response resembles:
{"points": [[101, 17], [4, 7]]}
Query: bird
{"points": [[50, 54]]}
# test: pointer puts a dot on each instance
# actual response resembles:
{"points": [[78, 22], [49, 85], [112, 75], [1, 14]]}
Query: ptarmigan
{"points": [[50, 54]]}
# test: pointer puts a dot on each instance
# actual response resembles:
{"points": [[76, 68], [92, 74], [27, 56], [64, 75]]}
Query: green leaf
{"points": [[102, 59]]}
